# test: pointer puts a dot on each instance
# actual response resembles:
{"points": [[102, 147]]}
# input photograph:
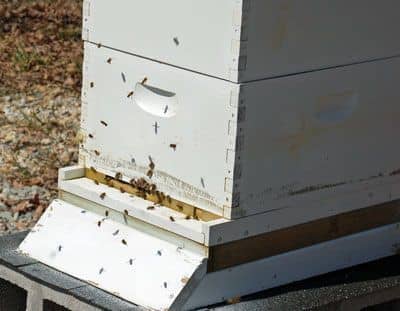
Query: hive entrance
{"points": [[142, 189]]}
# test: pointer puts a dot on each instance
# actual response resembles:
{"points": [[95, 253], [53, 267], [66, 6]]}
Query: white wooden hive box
{"points": [[322, 138], [246, 178], [245, 40]]}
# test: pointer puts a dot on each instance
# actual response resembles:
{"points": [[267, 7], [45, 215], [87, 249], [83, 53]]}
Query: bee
{"points": [[153, 187], [150, 208], [165, 285], [92, 84], [126, 212], [159, 198], [90, 136], [151, 165], [83, 212], [162, 194], [96, 182], [124, 242], [176, 40], [101, 271], [93, 169], [99, 223], [96, 152], [99, 45], [234, 300], [123, 77], [172, 218], [144, 80], [109, 60], [104, 123], [122, 190], [142, 195], [149, 173], [159, 253], [131, 261], [60, 248], [106, 213], [188, 217], [103, 195], [184, 280], [173, 146], [116, 233], [130, 94], [118, 175], [156, 127]]}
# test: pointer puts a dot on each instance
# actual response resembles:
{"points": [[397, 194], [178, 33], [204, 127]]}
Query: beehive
{"points": [[229, 140]]}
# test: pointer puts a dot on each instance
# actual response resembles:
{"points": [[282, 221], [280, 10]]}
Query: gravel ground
{"points": [[40, 79], [38, 135]]}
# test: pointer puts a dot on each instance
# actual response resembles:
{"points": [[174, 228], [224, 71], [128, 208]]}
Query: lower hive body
{"points": [[236, 150]]}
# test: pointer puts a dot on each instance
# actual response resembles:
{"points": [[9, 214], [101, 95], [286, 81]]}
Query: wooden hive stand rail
{"points": [[303, 235]]}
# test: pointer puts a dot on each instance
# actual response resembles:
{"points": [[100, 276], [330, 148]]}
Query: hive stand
{"points": [[117, 244], [26, 284]]}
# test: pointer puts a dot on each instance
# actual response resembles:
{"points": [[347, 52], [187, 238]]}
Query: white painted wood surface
{"points": [[322, 138], [196, 170], [140, 267], [316, 137], [224, 231], [296, 265], [246, 40], [290, 36], [221, 231], [202, 35], [135, 207], [129, 263]]}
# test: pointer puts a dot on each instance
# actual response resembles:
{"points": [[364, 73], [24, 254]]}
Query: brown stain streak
{"points": [[315, 188], [327, 186], [155, 197]]}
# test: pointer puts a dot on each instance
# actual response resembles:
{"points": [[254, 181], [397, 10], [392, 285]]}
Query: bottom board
{"points": [[124, 261], [157, 274]]}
